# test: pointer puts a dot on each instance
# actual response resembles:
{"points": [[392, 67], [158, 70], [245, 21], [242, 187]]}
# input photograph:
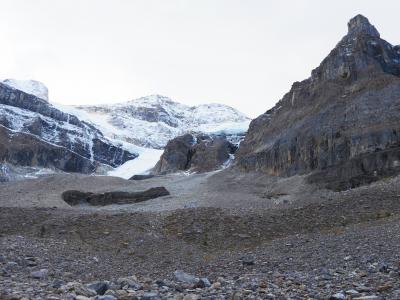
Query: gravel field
{"points": [[221, 235]]}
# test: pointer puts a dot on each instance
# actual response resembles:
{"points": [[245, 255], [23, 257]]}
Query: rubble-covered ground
{"points": [[300, 243]]}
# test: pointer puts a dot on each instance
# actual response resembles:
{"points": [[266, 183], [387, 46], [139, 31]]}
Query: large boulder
{"points": [[198, 153], [342, 124]]}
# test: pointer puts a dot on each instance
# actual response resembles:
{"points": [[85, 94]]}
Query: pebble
{"points": [[41, 274], [185, 277], [338, 296]]}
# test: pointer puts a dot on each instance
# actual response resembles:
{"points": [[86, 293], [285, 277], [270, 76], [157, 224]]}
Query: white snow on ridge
{"points": [[227, 128], [32, 87], [154, 120]]}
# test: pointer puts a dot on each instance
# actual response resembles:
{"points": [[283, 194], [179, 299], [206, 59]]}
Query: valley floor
{"points": [[252, 236]]}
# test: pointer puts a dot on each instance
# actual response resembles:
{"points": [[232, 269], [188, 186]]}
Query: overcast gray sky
{"points": [[242, 53]]}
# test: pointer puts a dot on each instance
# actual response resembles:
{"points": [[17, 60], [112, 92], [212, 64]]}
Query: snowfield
{"points": [[154, 120], [141, 165]]}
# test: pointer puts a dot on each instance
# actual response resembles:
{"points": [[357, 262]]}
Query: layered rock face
{"points": [[21, 149], [342, 124], [34, 133], [201, 153]]}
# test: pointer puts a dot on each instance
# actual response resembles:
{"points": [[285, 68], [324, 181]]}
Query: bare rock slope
{"points": [[342, 124]]}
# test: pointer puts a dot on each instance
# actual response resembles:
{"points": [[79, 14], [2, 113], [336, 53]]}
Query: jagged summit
{"points": [[359, 54], [341, 124], [361, 25]]}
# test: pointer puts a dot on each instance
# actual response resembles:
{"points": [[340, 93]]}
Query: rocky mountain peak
{"points": [[360, 53], [361, 25], [341, 124]]}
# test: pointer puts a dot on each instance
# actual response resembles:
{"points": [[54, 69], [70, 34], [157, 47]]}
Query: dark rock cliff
{"points": [[342, 124], [20, 149], [201, 153]]}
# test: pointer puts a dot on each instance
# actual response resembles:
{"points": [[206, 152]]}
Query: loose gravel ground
{"points": [[300, 243]]}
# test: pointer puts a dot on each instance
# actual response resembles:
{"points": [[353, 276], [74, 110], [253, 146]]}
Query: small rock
{"points": [[106, 297], [11, 265], [57, 283], [41, 274], [203, 283], [338, 296], [248, 260], [385, 287], [99, 287], [130, 282], [362, 289], [216, 285], [352, 292], [185, 277], [384, 268], [82, 290], [150, 296], [191, 297]]}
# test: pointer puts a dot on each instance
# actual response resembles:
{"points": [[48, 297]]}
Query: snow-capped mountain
{"points": [[33, 133], [32, 87], [126, 136], [154, 120]]}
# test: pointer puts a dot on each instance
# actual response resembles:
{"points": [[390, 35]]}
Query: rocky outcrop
{"points": [[86, 198], [341, 124], [201, 153], [38, 134]]}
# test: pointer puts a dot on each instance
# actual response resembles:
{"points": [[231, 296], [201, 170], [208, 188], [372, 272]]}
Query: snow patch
{"points": [[146, 160]]}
